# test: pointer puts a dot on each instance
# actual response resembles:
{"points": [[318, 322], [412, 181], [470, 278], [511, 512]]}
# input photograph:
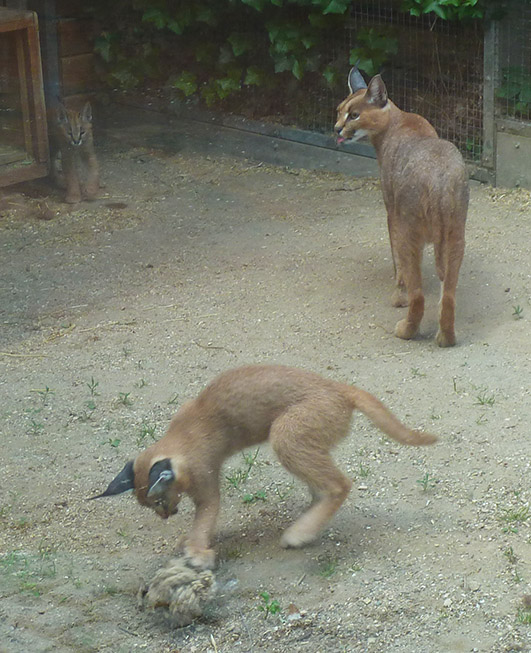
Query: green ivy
{"points": [[445, 9], [516, 89], [215, 49], [375, 47]]}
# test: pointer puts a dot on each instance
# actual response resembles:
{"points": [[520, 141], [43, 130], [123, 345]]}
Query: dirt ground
{"points": [[114, 312]]}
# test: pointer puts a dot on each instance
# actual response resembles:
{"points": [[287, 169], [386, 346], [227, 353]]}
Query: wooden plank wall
{"points": [[75, 41]]}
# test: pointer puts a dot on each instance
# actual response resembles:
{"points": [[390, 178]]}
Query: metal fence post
{"points": [[490, 75]]}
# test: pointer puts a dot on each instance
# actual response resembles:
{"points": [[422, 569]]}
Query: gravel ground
{"points": [[115, 312]]}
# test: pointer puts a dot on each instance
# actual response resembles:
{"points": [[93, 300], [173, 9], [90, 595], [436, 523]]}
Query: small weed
{"points": [[146, 430], [435, 416], [233, 553], [126, 351], [142, 383], [30, 586], [4, 512], [415, 372], [268, 605], [327, 566], [114, 442], [250, 458], [510, 555], [92, 387], [174, 400], [427, 482], [86, 414], [111, 590], [36, 428], [355, 568], [516, 515], [523, 616], [484, 399], [282, 494], [125, 399], [239, 476], [44, 394], [253, 498], [28, 570], [481, 419], [454, 380], [363, 471], [518, 312]]}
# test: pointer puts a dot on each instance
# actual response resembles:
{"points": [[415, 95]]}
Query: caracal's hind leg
{"points": [[304, 450], [399, 297], [448, 258], [409, 260]]}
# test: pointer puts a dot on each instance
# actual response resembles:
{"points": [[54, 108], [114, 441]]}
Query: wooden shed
{"points": [[46, 52]]}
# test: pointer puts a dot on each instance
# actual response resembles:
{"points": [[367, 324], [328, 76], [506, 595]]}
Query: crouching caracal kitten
{"points": [[425, 190], [301, 414]]}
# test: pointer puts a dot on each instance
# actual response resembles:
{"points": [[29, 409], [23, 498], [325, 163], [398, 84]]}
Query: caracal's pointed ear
{"points": [[122, 483], [376, 92], [161, 476], [61, 113], [355, 80], [86, 114]]}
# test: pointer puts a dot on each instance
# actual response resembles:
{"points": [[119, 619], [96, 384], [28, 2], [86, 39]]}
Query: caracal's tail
{"points": [[384, 419]]}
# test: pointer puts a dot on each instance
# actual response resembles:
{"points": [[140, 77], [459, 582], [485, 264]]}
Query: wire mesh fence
{"points": [[431, 67], [513, 83]]}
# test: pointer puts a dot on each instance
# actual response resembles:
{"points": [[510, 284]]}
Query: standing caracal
{"points": [[425, 190], [301, 414]]}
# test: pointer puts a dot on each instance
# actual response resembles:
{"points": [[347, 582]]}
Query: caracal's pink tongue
{"points": [[340, 140]]}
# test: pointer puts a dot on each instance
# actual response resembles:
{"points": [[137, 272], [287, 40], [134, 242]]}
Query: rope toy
{"points": [[180, 590]]}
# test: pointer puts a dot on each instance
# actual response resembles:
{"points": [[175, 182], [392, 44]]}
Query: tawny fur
{"points": [[425, 190], [301, 414], [74, 154]]}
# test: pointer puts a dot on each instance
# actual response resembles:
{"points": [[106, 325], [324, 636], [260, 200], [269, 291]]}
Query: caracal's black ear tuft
{"points": [[161, 476], [376, 92], [355, 80], [122, 483]]}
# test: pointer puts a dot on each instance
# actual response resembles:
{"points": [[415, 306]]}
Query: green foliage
{"points": [[186, 82], [260, 495], [221, 48], [427, 482], [445, 9], [123, 70], [268, 605], [375, 47], [214, 51], [516, 89]]}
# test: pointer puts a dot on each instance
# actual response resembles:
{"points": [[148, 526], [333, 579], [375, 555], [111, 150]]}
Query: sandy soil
{"points": [[113, 313]]}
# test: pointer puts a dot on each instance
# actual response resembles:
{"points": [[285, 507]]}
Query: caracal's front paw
{"points": [[445, 339], [295, 538], [199, 558], [92, 191], [73, 198], [405, 330]]}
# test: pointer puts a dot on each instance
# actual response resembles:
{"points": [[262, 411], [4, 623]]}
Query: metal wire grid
{"points": [[513, 93], [437, 72]]}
